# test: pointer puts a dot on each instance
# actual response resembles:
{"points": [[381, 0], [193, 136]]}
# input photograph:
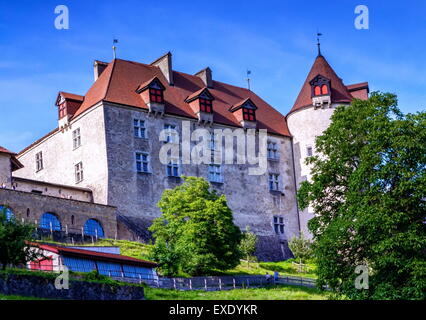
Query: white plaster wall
{"points": [[305, 125], [59, 158]]}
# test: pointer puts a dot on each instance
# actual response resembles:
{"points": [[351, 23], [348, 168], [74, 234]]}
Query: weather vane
{"points": [[248, 78], [114, 47], [319, 43]]}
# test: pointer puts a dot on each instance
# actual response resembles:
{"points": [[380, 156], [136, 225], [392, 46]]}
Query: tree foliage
{"points": [[368, 192], [13, 237], [195, 233], [248, 244]]}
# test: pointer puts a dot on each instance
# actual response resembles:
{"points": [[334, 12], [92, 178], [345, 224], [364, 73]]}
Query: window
{"points": [[92, 227], [171, 134], [248, 114], [62, 110], [78, 172], [274, 182], [50, 221], [272, 150], [206, 105], [309, 151], [109, 269], [279, 225], [156, 95], [139, 128], [213, 141], [76, 138], [142, 162], [317, 91], [79, 265], [324, 89], [7, 211], [215, 173], [173, 168], [39, 161]]}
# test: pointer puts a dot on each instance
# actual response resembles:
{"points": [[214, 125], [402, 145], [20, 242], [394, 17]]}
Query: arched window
{"points": [[317, 91], [9, 213], [92, 227], [50, 221], [324, 89]]}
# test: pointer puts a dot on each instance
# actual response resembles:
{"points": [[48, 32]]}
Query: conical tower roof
{"points": [[339, 92]]}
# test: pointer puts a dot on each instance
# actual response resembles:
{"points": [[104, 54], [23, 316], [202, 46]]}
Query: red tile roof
{"points": [[4, 150], [120, 79], [71, 96], [339, 92], [15, 162], [96, 255]]}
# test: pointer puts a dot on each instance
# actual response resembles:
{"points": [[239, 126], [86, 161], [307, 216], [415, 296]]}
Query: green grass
{"points": [[12, 297], [271, 293], [284, 268]]}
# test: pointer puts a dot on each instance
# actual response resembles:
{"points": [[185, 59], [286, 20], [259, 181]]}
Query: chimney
{"points": [[165, 65], [98, 68], [206, 76]]}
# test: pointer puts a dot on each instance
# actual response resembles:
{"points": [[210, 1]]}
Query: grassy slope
{"points": [[140, 250], [272, 293]]}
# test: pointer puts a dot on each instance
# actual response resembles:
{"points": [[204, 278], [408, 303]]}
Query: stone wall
{"points": [[43, 287], [5, 170], [136, 194], [30, 207]]}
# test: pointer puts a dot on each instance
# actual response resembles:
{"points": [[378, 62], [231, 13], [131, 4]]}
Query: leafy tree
{"points": [[195, 233], [13, 238], [301, 248], [248, 245], [368, 192]]}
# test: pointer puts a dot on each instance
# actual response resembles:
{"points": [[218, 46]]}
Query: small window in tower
{"points": [[249, 114], [206, 105], [156, 95], [78, 172], [76, 138], [324, 89], [317, 90], [309, 151], [279, 225], [39, 161]]}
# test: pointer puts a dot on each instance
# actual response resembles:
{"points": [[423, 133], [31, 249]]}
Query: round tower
{"points": [[321, 93]]}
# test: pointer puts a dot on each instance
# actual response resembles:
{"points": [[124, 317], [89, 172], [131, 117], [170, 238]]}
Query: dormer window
{"points": [[249, 114], [245, 113], [156, 95], [320, 86], [201, 102], [206, 105], [152, 93]]}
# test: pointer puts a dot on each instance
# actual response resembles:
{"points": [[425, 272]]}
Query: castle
{"points": [[98, 172]]}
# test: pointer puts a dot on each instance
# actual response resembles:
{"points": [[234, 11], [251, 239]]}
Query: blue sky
{"points": [[274, 39]]}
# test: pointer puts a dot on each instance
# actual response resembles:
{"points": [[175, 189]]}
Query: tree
{"points": [[248, 245], [368, 192], [301, 248], [14, 236], [195, 233]]}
